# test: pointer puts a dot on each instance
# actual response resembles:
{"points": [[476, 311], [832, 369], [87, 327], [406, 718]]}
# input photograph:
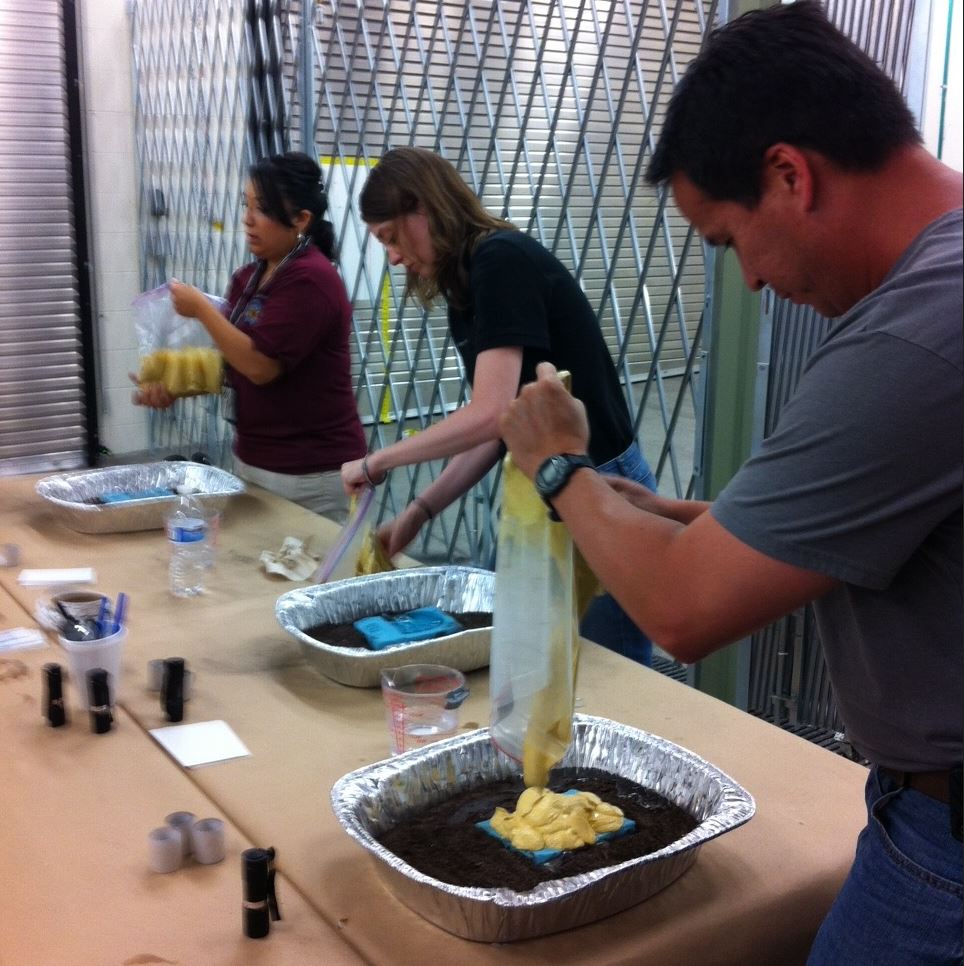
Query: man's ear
{"points": [[788, 170]]}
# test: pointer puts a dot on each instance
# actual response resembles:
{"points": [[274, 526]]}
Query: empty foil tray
{"points": [[71, 494]]}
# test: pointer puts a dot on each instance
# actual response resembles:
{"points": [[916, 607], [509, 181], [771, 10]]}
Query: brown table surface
{"points": [[76, 810], [755, 895]]}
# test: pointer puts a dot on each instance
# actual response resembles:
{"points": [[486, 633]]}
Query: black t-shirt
{"points": [[521, 295]]}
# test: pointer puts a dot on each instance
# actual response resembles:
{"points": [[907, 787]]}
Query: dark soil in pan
{"points": [[442, 841], [345, 635]]}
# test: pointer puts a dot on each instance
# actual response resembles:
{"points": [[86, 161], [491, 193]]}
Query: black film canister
{"points": [[98, 698], [260, 904], [54, 710], [172, 688]]}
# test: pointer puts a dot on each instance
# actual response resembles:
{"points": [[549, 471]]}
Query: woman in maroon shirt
{"points": [[285, 342]]}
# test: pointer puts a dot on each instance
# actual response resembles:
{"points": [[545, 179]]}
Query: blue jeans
{"points": [[605, 622], [901, 903]]}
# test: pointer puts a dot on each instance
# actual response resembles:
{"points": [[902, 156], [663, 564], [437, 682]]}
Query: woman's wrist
{"points": [[424, 507], [370, 474]]}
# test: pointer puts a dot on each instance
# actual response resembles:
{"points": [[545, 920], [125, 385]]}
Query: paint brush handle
{"points": [[120, 612], [102, 617]]}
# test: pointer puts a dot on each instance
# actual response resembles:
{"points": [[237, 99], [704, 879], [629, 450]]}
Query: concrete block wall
{"points": [[108, 102]]}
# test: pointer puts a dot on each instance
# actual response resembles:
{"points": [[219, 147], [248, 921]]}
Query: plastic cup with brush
{"points": [[101, 648]]}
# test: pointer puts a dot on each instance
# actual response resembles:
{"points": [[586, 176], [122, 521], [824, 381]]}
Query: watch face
{"points": [[551, 475]]}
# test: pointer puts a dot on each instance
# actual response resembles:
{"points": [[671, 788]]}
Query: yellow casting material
{"points": [[587, 584], [548, 820], [183, 372], [549, 728], [372, 558]]}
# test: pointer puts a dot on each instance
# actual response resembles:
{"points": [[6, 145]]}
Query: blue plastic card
{"points": [[123, 496], [421, 624], [541, 856]]}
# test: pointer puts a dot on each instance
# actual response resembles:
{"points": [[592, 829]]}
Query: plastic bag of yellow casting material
{"points": [[372, 557], [535, 637], [357, 551], [175, 351]]}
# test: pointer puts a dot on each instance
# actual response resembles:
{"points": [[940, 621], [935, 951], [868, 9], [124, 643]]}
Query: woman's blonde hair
{"points": [[407, 180]]}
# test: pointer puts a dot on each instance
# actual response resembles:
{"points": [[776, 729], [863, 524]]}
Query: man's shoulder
{"points": [[919, 302], [937, 250], [942, 241]]}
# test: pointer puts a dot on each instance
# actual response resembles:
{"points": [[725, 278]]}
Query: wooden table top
{"points": [[755, 895]]}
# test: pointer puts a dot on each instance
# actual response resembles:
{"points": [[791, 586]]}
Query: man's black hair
{"points": [[783, 74]]}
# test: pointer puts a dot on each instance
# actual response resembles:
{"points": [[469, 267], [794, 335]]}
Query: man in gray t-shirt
{"points": [[787, 144], [861, 481]]}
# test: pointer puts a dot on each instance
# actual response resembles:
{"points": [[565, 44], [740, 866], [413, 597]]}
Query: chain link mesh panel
{"points": [[548, 109], [197, 89]]}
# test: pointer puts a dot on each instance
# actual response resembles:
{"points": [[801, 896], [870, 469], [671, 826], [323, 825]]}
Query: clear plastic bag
{"points": [[535, 638], [175, 351], [357, 551]]}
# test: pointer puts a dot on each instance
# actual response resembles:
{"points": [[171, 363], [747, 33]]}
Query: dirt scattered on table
{"points": [[11, 669]]}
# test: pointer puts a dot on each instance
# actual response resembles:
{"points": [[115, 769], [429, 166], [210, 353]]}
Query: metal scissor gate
{"points": [[547, 108]]}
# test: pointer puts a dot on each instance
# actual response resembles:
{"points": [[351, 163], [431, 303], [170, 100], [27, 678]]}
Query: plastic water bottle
{"points": [[187, 533], [212, 523]]}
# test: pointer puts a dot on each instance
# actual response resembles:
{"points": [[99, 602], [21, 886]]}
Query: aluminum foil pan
{"points": [[70, 494], [458, 590], [379, 796]]}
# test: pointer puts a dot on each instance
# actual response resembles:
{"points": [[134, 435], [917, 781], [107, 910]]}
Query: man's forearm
{"points": [[682, 511], [692, 587]]}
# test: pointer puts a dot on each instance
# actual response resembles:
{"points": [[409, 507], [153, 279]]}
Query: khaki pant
{"points": [[322, 493]]}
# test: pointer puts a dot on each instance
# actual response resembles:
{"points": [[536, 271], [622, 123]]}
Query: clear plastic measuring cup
{"points": [[421, 704]]}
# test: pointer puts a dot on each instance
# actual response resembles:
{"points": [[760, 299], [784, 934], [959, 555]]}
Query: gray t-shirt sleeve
{"points": [[865, 461]]}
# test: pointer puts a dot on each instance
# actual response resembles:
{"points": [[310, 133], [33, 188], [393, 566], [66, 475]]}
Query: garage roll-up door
{"points": [[43, 404]]}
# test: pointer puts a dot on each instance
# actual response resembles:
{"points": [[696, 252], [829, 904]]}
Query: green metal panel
{"points": [[735, 325], [733, 362]]}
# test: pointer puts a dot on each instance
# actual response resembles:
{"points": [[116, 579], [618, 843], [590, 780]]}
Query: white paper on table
{"points": [[48, 578], [21, 639], [202, 743]]}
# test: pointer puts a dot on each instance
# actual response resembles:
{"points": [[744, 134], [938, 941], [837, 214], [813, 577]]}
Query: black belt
{"points": [[934, 784], [946, 786]]}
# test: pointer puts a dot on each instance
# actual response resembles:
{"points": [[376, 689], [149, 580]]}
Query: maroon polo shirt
{"points": [[306, 420]]}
